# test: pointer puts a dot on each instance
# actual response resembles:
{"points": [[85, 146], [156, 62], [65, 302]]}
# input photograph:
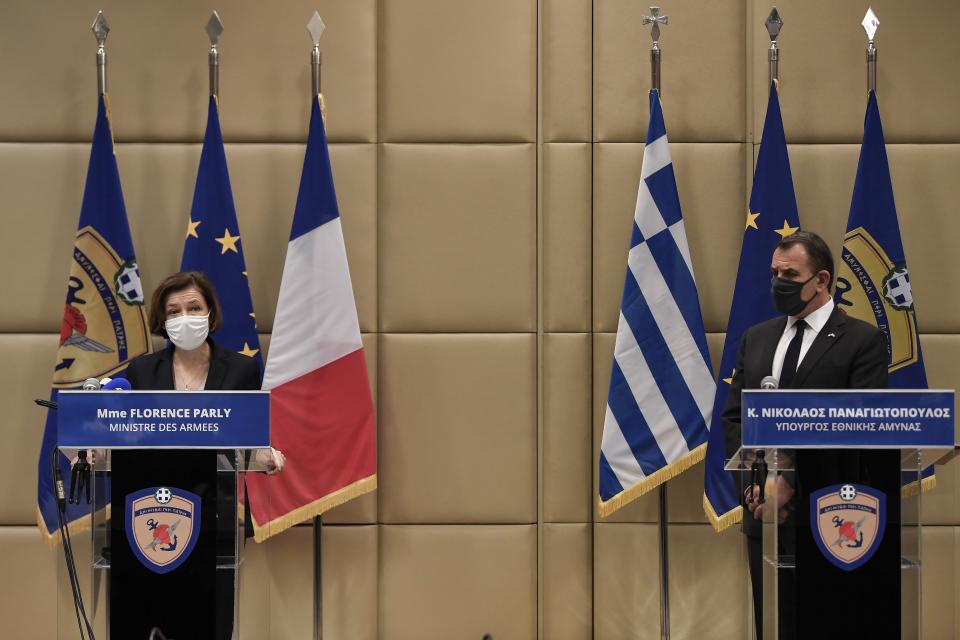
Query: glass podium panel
{"points": [[90, 538], [779, 539]]}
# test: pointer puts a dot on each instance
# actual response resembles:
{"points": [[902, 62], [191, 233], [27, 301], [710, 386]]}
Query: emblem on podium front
{"points": [[162, 526], [847, 522]]}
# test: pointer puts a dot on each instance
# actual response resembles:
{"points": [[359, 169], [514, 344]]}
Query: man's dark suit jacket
{"points": [[846, 354], [228, 371]]}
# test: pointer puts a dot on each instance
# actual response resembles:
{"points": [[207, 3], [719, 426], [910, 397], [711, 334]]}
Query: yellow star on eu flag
{"points": [[247, 351], [787, 230], [730, 379], [752, 220], [192, 228], [229, 242]]}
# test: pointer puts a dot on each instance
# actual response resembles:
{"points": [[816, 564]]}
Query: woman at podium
{"points": [[196, 598]]}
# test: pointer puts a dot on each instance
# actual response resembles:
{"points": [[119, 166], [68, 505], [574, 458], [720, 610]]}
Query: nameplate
{"points": [[163, 419], [823, 419]]}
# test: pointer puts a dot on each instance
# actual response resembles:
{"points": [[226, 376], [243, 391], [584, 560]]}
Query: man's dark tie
{"points": [[792, 359]]}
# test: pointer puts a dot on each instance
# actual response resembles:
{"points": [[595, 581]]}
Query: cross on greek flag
{"points": [[661, 386]]}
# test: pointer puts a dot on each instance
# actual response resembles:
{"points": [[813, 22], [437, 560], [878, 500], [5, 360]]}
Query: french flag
{"points": [[321, 410]]}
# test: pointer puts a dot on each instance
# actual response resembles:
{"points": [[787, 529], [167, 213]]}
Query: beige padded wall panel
{"points": [[44, 186], [824, 78], [456, 70], [709, 584], [567, 583], [626, 589], [442, 582], [26, 374], [710, 180], [567, 442], [457, 238], [350, 578], [349, 583], [704, 86], [923, 177], [939, 588], [940, 356], [157, 70], [566, 236], [254, 607], [457, 428], [565, 70], [28, 603]]}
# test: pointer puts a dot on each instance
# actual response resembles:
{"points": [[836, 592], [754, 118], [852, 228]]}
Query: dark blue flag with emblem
{"points": [[213, 244], [873, 283], [772, 215], [104, 322]]}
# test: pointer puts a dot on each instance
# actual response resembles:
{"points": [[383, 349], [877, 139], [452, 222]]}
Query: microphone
{"points": [[115, 384], [91, 384], [758, 471], [769, 382]]}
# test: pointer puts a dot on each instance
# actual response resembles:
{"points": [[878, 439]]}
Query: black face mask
{"points": [[787, 298]]}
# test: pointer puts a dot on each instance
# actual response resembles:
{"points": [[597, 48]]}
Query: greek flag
{"points": [[661, 387]]}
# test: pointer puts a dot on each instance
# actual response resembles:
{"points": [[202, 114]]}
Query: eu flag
{"points": [[772, 215], [104, 323], [873, 283], [213, 244]]}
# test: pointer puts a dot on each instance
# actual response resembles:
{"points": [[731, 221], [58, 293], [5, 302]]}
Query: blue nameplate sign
{"points": [[798, 419], [163, 419]]}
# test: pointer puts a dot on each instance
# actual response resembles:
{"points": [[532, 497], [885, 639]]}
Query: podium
{"points": [[843, 515], [163, 544]]}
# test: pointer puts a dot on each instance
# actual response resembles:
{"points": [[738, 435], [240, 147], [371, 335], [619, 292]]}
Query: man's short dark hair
{"points": [[817, 251], [157, 314]]}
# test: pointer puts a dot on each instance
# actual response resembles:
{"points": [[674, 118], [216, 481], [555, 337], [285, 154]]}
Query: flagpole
{"points": [[870, 24], [655, 56], [316, 27], [214, 29]]}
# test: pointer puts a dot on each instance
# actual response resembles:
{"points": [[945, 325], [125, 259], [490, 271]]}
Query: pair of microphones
{"points": [[106, 384], [80, 470]]}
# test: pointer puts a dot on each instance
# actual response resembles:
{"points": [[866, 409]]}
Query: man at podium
{"points": [[812, 345]]}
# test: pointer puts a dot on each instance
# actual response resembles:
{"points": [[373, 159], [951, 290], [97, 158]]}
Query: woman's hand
{"points": [[271, 459]]}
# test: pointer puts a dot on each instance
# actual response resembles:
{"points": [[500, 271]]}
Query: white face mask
{"points": [[188, 332]]}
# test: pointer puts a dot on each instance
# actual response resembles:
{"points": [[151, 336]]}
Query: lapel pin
{"points": [[831, 335]]}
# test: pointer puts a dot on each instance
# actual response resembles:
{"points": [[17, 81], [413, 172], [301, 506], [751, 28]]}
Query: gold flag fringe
{"points": [[909, 490], [261, 532], [663, 474], [77, 526], [725, 521]]}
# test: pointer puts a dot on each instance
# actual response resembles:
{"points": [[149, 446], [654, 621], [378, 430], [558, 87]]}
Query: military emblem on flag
{"points": [[661, 385], [104, 324], [873, 283]]}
